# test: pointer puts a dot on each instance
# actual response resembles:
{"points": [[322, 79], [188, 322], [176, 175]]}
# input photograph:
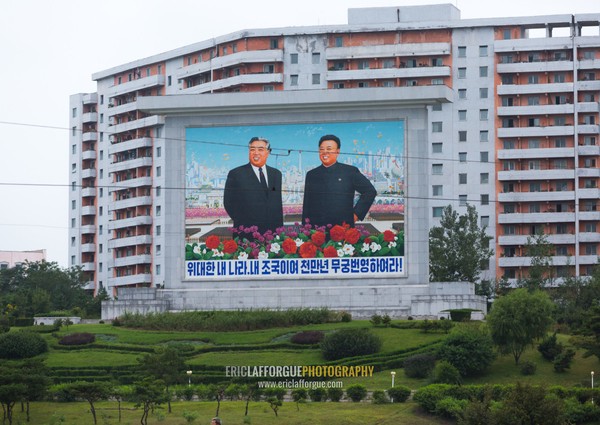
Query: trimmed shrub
{"points": [[335, 394], [350, 343], [398, 394], [445, 373], [317, 394], [427, 397], [379, 397], [419, 366], [277, 392], [77, 339], [299, 394], [21, 345], [468, 349], [563, 360], [528, 368], [550, 347], [356, 392], [375, 320], [449, 407], [345, 317], [460, 314], [308, 337], [386, 320]]}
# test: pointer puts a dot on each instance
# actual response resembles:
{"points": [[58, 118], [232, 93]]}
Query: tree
{"points": [[574, 299], [528, 404], [274, 404], [590, 340], [458, 247], [541, 269], [90, 392], [299, 395], [166, 364], [148, 394], [518, 319], [468, 349]]}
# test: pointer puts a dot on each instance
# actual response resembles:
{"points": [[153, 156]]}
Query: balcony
{"points": [[91, 154], [232, 60], [131, 183], [90, 117], [135, 85], [88, 247], [535, 153], [88, 267], [535, 67], [387, 73], [593, 85], [531, 44], [132, 202], [122, 109], [388, 51], [131, 260], [588, 107], [87, 192], [588, 215], [150, 121], [90, 98], [88, 173], [144, 220], [565, 239], [588, 172], [88, 210], [588, 129], [546, 217], [130, 241], [588, 150], [591, 193], [515, 89], [526, 261], [88, 229], [266, 78], [536, 196], [135, 279], [587, 237], [566, 108], [90, 136], [143, 142], [528, 175], [549, 131], [115, 167], [587, 260]]}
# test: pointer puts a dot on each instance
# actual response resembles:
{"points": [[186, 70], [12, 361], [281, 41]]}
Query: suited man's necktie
{"points": [[263, 180]]}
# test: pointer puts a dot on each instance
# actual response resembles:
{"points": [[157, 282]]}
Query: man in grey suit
{"points": [[329, 189], [253, 191]]}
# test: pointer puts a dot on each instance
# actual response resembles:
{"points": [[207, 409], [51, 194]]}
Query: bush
{"points": [[317, 394], [419, 366], [468, 349], [4, 324], [445, 373], [77, 339], [277, 392], [375, 320], [356, 392], [308, 337], [449, 407], [335, 394], [350, 343], [398, 394], [563, 360], [386, 320], [379, 397], [427, 397], [21, 322], [550, 347], [21, 345], [460, 314], [345, 317], [579, 413], [528, 368]]}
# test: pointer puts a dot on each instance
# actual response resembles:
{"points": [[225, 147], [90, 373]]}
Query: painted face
{"points": [[258, 153], [328, 152]]}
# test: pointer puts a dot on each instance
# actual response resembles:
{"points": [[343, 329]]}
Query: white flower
{"points": [[375, 247], [392, 244], [275, 248], [243, 255], [217, 253], [299, 242], [348, 249], [277, 237], [340, 252], [365, 247], [197, 250], [262, 255]]}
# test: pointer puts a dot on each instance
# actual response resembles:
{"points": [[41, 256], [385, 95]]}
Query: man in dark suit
{"points": [[253, 191], [329, 189]]}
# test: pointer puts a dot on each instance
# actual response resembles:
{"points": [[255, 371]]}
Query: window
{"points": [[390, 83], [462, 178], [509, 229], [560, 164], [560, 121], [100, 229], [507, 79], [388, 63], [485, 220], [534, 207], [533, 100], [74, 131], [508, 187], [561, 186], [437, 190], [73, 204], [462, 136], [589, 163], [158, 190], [484, 136], [339, 42], [338, 85], [535, 187], [437, 82], [274, 43], [508, 123], [169, 80], [462, 157], [268, 69], [100, 248], [462, 51], [294, 58], [589, 140], [294, 79], [436, 127], [363, 64], [158, 171], [462, 115], [100, 211], [485, 199], [436, 148], [533, 122], [483, 51], [561, 228], [508, 165], [462, 93], [158, 230], [509, 209], [437, 212], [559, 78], [363, 84], [462, 73], [590, 228], [437, 169], [437, 107], [483, 115], [72, 240], [483, 71], [560, 143], [533, 79], [590, 249], [158, 269], [506, 35], [462, 200], [158, 210], [316, 78], [101, 192], [533, 144], [484, 178], [158, 151], [507, 101], [483, 156], [561, 250], [534, 164], [483, 93], [316, 58], [437, 62]]}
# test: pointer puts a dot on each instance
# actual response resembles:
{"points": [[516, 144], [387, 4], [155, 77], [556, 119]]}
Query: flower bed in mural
{"points": [[298, 242]]}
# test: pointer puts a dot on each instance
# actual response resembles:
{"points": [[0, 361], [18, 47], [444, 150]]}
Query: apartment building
{"points": [[512, 127]]}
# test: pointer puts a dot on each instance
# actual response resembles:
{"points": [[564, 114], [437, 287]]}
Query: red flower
{"points": [[308, 250], [352, 236], [367, 240], [318, 238], [230, 246], [337, 233], [212, 242], [330, 252], [289, 246], [388, 236]]}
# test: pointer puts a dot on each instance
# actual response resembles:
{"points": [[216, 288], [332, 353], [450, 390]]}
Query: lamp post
{"points": [[189, 374], [393, 376], [592, 373]]}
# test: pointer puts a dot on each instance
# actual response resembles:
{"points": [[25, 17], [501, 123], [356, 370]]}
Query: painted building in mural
{"points": [[499, 113]]}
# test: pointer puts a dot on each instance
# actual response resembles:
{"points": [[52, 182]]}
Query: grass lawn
{"points": [[91, 357], [257, 358], [232, 413]]}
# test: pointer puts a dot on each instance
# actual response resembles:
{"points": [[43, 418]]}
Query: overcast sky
{"points": [[49, 50]]}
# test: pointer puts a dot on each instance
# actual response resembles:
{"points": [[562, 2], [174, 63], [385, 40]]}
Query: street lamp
{"points": [[592, 386], [189, 374], [393, 376]]}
